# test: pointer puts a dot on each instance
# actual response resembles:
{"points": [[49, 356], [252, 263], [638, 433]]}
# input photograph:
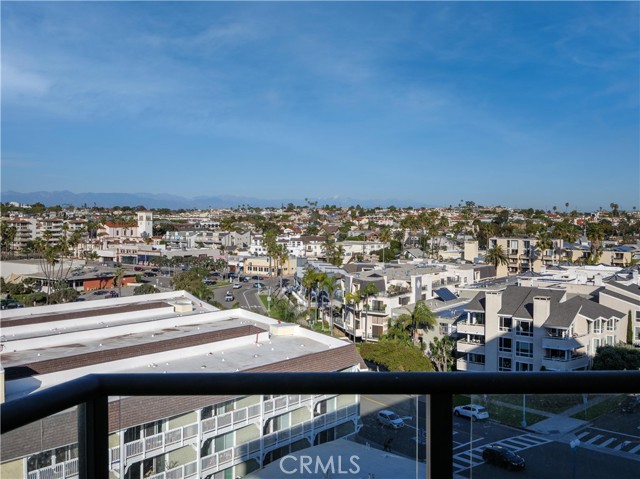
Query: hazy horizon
{"points": [[523, 104]]}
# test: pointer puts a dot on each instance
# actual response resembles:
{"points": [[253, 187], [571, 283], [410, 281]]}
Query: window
{"points": [[525, 328], [475, 358], [67, 453], [610, 340], [505, 324], [524, 349], [505, 345], [596, 344], [638, 316], [504, 364], [39, 461], [611, 325], [153, 428], [524, 367], [224, 442], [597, 326]]}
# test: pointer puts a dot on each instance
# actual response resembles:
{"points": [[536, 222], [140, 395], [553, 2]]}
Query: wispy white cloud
{"points": [[20, 82]]}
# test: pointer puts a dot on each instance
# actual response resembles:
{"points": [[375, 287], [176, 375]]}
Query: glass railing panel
{"points": [[572, 435], [394, 435]]}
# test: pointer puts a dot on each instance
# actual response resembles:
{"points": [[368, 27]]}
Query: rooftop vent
{"points": [[183, 306]]}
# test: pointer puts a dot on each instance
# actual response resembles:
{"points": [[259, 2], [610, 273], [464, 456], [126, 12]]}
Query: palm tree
{"points": [[281, 255], [119, 277], [365, 293], [496, 256], [421, 317], [354, 299], [270, 242], [309, 280], [595, 234], [330, 284], [385, 237], [544, 243], [614, 209]]}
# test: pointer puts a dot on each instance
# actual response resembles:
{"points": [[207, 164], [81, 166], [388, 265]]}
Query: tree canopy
{"points": [[396, 356], [616, 358]]}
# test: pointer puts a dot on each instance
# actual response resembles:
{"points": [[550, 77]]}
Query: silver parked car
{"points": [[472, 411], [390, 419]]}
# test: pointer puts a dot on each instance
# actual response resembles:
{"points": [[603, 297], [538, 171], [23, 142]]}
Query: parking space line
{"points": [[608, 441], [594, 439]]}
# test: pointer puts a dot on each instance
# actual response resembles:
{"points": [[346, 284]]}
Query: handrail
{"points": [[20, 412], [91, 393]]}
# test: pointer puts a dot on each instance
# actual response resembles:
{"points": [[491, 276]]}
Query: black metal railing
{"points": [[91, 393]]}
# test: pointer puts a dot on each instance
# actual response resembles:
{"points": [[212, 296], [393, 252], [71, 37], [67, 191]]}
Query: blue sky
{"points": [[520, 104]]}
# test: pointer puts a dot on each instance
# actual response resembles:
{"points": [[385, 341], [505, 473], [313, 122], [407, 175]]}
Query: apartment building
{"points": [[620, 255], [399, 287], [523, 254], [624, 296], [534, 329], [359, 248], [169, 437], [25, 231], [266, 266]]}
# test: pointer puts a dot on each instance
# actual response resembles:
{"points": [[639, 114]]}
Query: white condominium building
{"points": [[534, 329]]}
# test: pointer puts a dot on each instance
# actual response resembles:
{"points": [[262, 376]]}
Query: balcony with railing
{"points": [[472, 325], [377, 309], [435, 393], [571, 362], [470, 347]]}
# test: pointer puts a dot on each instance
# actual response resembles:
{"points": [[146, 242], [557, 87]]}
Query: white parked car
{"points": [[472, 411], [237, 286], [390, 419]]}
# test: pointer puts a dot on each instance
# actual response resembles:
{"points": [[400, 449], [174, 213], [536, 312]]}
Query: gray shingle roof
{"points": [[477, 303], [565, 313], [630, 288], [518, 301], [620, 296], [593, 310]]}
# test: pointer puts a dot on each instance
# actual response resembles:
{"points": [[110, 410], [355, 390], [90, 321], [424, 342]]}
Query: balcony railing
{"points": [[465, 327], [470, 347], [577, 361], [64, 469], [91, 394]]}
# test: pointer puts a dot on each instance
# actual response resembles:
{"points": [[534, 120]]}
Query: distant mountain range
{"points": [[149, 200]]}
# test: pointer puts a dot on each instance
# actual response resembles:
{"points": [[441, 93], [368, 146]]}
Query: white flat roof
{"points": [[342, 458]]}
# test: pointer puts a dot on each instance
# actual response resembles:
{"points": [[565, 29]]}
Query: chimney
{"points": [[493, 303], [541, 309]]}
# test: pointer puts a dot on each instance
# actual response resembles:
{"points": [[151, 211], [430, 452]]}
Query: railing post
{"points": [[439, 436], [93, 439]]}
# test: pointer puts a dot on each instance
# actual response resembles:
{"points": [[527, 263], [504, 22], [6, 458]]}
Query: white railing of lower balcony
{"points": [[214, 425], [186, 471], [61, 470], [178, 437]]}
